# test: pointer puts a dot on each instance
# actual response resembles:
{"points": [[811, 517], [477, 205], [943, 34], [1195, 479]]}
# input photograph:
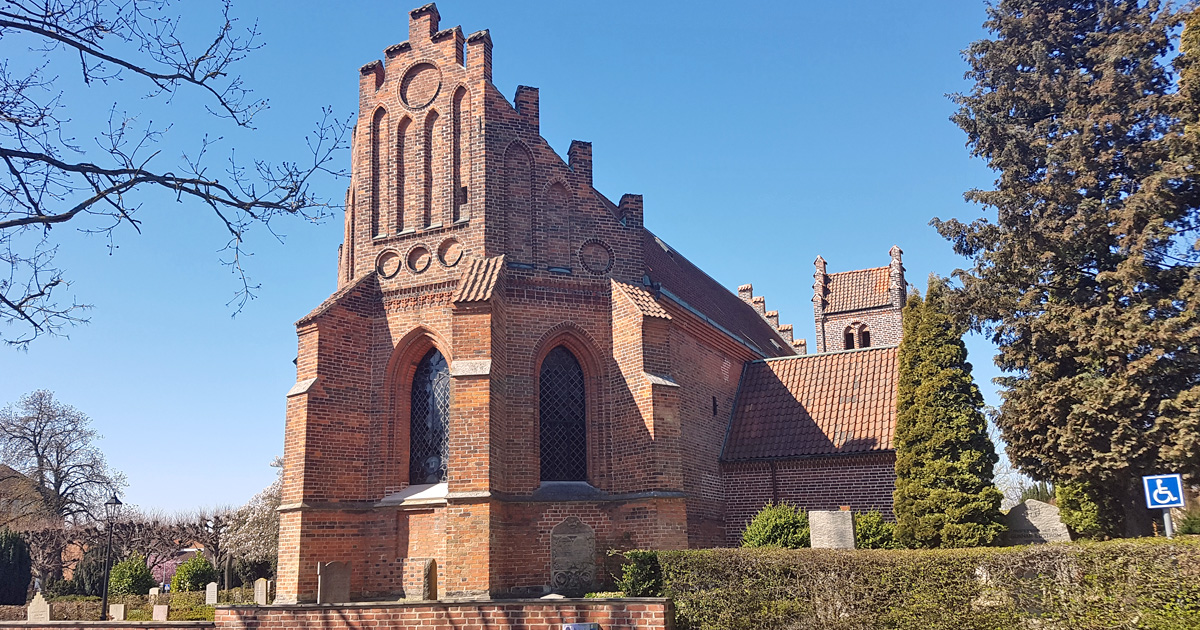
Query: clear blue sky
{"points": [[761, 134]]}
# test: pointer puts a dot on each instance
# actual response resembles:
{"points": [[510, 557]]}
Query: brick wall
{"points": [[863, 482], [628, 614]]}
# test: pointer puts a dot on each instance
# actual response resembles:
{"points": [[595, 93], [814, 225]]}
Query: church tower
{"points": [[860, 308]]}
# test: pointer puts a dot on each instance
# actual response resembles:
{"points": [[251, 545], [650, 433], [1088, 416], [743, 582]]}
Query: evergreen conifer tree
{"points": [[1088, 276], [944, 459], [15, 568]]}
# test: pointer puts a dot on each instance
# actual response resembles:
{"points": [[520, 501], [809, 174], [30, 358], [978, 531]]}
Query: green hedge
{"points": [[1148, 584]]}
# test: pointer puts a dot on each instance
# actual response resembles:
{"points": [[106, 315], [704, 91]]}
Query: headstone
{"points": [[262, 591], [39, 609], [153, 596], [572, 558], [116, 612], [420, 579], [1034, 522], [210, 594], [333, 582], [160, 612], [831, 530]]}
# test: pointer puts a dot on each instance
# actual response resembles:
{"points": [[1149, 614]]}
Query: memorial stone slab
{"points": [[160, 612], [420, 579], [333, 582], [1034, 522], [153, 595], [210, 594], [39, 609], [262, 591], [831, 529], [572, 558], [116, 612]]}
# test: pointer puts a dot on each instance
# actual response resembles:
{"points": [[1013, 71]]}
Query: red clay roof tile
{"points": [[817, 404], [859, 289]]}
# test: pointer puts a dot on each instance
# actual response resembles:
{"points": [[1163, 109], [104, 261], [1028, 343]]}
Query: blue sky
{"points": [[760, 133]]}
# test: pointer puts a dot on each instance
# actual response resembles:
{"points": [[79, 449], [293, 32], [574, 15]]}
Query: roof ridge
{"points": [[838, 273], [826, 354]]}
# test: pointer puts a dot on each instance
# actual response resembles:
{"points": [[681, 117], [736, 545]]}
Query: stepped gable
{"points": [[858, 289], [818, 404], [681, 280]]}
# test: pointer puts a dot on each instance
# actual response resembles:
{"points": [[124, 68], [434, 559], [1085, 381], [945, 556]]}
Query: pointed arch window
{"points": [[562, 413], [430, 415], [848, 338]]}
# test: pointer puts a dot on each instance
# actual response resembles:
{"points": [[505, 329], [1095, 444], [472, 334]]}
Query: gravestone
{"points": [[262, 591], [572, 558], [210, 594], [153, 596], [420, 579], [116, 612], [160, 612], [39, 609], [1034, 522], [831, 530], [333, 582]]}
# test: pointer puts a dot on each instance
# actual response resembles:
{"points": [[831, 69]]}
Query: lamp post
{"points": [[110, 512]]}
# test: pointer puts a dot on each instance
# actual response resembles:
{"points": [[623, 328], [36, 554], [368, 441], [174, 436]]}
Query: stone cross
{"points": [[210, 594], [262, 591], [333, 582], [39, 609], [160, 612], [1034, 522], [116, 612], [831, 530]]}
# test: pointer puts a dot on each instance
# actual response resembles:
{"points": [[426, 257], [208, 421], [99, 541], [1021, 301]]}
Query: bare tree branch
{"points": [[49, 179]]}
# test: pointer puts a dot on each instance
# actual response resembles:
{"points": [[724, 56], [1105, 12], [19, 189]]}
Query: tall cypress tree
{"points": [[15, 568], [944, 459], [1087, 277]]}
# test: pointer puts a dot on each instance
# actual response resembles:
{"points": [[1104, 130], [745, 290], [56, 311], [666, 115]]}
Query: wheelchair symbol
{"points": [[1162, 494]]}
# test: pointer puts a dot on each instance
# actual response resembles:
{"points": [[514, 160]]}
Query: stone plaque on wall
{"points": [[1034, 522], [572, 558], [333, 582]]}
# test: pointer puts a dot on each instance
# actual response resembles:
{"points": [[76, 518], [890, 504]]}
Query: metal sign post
{"points": [[1164, 492]]}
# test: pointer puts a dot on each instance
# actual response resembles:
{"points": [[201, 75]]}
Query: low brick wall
{"points": [[521, 614], [107, 625]]}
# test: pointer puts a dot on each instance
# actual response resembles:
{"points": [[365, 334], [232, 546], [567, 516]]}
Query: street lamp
{"points": [[110, 512]]}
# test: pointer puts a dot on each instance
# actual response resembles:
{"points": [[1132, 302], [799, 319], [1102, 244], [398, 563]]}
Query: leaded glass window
{"points": [[430, 411], [562, 410]]}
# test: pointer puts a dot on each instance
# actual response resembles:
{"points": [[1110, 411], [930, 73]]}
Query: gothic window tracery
{"points": [[562, 418], [430, 416]]}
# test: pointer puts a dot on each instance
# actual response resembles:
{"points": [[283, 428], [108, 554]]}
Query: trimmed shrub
{"points": [[779, 525], [871, 531], [641, 576], [1149, 584], [131, 577], [15, 568], [193, 574], [1079, 512]]}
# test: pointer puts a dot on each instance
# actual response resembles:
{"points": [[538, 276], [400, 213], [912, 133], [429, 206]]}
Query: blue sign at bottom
{"points": [[1163, 491]]}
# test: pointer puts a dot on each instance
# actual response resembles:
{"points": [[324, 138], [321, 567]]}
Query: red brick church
{"points": [[514, 373]]}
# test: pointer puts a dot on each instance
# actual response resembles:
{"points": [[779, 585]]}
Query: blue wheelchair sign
{"points": [[1163, 491]]}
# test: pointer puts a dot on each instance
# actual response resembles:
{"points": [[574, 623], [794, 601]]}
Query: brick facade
{"points": [[466, 234], [862, 482]]}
